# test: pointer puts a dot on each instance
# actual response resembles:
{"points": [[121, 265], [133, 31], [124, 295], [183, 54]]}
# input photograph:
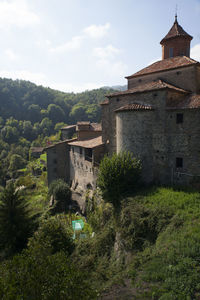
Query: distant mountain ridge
{"points": [[116, 87]]}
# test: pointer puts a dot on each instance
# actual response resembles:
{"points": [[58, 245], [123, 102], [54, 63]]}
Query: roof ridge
{"points": [[165, 64]]}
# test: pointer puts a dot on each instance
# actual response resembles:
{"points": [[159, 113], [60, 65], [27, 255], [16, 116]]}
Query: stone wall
{"points": [[156, 98], [134, 133], [198, 79], [83, 174], [180, 47], [58, 162], [184, 78], [68, 132], [88, 134], [158, 140], [183, 141]]}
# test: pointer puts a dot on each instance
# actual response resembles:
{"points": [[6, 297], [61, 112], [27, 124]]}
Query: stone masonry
{"points": [[157, 119]]}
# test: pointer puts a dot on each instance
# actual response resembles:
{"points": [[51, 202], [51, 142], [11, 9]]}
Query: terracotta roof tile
{"points": [[134, 106], [68, 127], [176, 31], [36, 149], [147, 87], [105, 102], [59, 143], [90, 143], [95, 127], [166, 64], [83, 123], [192, 101]]}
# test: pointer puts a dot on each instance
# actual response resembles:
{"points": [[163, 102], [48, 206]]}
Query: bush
{"points": [[36, 276], [118, 174], [53, 235], [61, 193]]}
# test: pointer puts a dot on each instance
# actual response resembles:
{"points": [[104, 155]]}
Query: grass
{"points": [[169, 264]]}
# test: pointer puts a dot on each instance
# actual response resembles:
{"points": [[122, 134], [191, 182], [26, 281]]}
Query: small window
{"points": [[171, 52], [179, 118], [179, 162], [81, 150], [73, 149]]}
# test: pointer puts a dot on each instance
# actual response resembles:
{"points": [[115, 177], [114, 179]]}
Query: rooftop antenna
{"points": [[176, 13]]}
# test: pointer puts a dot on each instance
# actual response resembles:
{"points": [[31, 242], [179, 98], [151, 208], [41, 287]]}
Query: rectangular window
{"points": [[81, 150], [179, 162], [179, 118], [171, 52], [88, 154]]}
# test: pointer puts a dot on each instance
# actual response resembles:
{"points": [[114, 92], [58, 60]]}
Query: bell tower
{"points": [[176, 42]]}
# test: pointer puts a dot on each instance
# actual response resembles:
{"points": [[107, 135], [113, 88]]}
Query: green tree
{"points": [[56, 113], [46, 126], [37, 276], [10, 134], [61, 193], [16, 225], [16, 162], [118, 174], [53, 235], [34, 113]]}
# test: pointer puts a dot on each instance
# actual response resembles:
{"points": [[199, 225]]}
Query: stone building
{"points": [[157, 118], [76, 160]]}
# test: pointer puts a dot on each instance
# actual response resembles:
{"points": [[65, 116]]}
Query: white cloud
{"points": [[38, 78], [11, 55], [74, 44], [93, 31], [106, 52], [77, 88], [106, 61], [195, 52], [17, 13], [114, 69], [97, 31]]}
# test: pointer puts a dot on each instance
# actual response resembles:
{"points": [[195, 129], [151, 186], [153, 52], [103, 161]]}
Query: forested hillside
{"points": [[29, 114]]}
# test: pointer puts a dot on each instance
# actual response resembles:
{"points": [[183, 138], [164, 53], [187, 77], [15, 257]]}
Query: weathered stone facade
{"points": [[76, 161], [157, 119]]}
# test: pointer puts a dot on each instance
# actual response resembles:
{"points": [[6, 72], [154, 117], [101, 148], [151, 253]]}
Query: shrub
{"points": [[61, 193], [118, 174], [36, 276], [53, 235]]}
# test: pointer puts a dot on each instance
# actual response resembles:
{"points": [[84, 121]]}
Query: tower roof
{"points": [[176, 31]]}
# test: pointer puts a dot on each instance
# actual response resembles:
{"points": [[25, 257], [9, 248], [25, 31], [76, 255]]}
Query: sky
{"points": [[77, 45]]}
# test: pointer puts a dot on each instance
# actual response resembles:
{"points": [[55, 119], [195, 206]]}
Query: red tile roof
{"points": [[59, 143], [166, 64], [83, 123], [105, 102], [147, 87], [68, 127], [90, 143], [134, 106], [95, 127], [192, 101], [176, 31]]}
